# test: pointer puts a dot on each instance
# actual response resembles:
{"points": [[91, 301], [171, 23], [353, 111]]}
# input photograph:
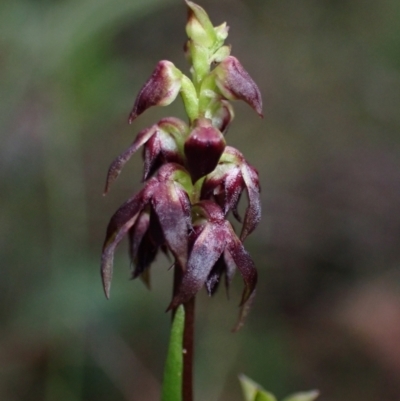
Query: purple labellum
{"points": [[203, 148]]}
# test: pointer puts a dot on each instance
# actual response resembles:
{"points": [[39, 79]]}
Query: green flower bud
{"points": [[199, 27]]}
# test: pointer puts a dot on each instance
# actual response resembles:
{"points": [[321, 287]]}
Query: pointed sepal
{"points": [[161, 89], [118, 163], [235, 83]]}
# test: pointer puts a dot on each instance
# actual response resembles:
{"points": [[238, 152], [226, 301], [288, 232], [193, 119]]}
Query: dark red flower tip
{"points": [[234, 82], [161, 89], [203, 148], [117, 165]]}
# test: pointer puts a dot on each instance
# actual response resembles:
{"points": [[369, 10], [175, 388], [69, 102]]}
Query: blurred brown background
{"points": [[327, 314]]}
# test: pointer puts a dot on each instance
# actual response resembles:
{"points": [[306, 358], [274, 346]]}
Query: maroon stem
{"points": [[188, 337]]}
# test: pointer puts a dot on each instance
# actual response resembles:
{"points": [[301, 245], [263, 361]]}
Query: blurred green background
{"points": [[327, 314]]}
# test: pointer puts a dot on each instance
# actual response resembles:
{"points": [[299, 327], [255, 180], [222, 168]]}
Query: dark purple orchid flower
{"points": [[162, 143], [234, 82], [167, 198], [161, 89], [216, 249], [227, 182]]}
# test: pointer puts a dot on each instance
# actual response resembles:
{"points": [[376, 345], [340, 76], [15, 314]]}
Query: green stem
{"points": [[188, 351], [188, 340]]}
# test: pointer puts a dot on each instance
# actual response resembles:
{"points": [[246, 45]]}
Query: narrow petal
{"points": [[253, 211], [186, 205], [214, 277], [230, 270], [233, 187], [205, 252], [155, 231], [137, 232], [146, 278], [142, 248], [107, 256], [244, 311], [151, 153], [121, 222], [235, 211], [145, 256], [244, 264], [117, 165]]}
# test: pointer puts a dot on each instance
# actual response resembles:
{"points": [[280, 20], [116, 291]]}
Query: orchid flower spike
{"points": [[191, 178]]}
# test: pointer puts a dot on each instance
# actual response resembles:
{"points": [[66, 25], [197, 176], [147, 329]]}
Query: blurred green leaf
{"points": [[303, 396], [172, 384], [252, 391], [264, 396]]}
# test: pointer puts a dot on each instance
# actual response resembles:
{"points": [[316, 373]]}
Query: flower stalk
{"points": [[192, 180]]}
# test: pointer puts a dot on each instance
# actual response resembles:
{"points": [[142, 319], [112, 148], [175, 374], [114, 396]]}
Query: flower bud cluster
{"points": [[192, 180]]}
